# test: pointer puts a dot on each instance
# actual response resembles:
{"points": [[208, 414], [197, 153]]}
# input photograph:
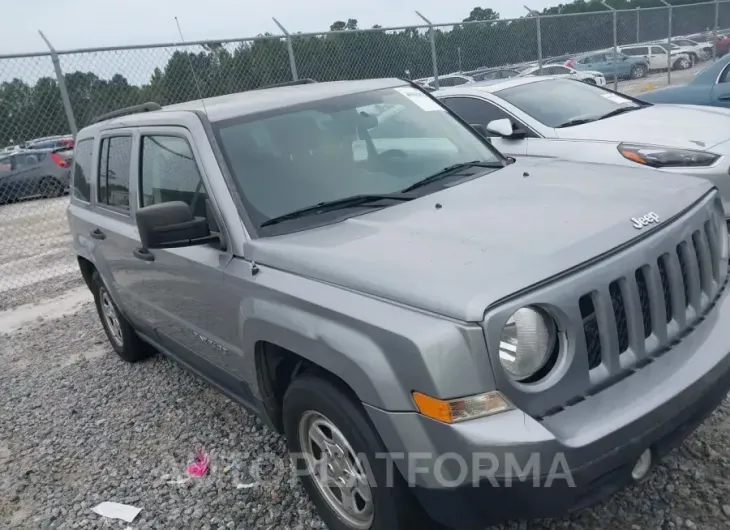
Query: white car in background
{"points": [[559, 118], [445, 81], [657, 55], [559, 70], [697, 50]]}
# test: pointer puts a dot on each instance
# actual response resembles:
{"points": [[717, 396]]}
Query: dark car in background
{"points": [[35, 173]]}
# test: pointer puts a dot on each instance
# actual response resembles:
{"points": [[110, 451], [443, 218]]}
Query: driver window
{"points": [[478, 111], [658, 50], [725, 75], [168, 172]]}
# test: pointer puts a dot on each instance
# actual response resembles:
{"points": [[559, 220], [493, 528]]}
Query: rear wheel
{"points": [[639, 71], [120, 333], [50, 188], [335, 445]]}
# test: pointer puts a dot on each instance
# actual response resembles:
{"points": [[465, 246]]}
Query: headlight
{"points": [[527, 342], [666, 156]]}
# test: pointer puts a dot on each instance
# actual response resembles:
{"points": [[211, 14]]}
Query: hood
{"points": [[683, 126], [490, 238]]}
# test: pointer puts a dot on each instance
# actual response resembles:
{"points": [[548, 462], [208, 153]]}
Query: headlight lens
{"points": [[653, 156], [527, 342]]}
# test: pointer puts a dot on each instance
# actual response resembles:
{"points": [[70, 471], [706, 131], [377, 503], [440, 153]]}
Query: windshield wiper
{"points": [[581, 121], [577, 121], [450, 171], [338, 204], [619, 111]]}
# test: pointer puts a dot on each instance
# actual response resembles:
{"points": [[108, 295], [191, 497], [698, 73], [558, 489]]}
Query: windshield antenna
{"points": [[192, 70]]}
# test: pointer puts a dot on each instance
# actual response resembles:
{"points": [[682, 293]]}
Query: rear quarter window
{"points": [[82, 169]]}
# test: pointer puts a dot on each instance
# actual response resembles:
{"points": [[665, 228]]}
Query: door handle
{"points": [[724, 98], [98, 234], [144, 254]]}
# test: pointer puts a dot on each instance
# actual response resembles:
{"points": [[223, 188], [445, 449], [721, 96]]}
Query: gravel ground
{"points": [[79, 426]]}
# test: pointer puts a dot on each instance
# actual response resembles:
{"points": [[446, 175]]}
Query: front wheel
{"points": [[590, 81], [639, 71], [683, 64], [339, 459]]}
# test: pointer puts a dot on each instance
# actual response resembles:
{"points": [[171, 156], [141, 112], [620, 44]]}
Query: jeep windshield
{"points": [[298, 167]]}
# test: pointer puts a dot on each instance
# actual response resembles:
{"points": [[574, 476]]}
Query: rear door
{"points": [[478, 111], [112, 227]]}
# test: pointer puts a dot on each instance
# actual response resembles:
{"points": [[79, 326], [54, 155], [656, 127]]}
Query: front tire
{"points": [[590, 81], [327, 429], [683, 64], [639, 71], [121, 335]]}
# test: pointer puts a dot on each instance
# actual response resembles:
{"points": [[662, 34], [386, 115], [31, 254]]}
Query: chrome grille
{"points": [[659, 300]]}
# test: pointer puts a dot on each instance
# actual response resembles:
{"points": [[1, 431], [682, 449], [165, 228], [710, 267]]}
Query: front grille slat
{"points": [[607, 330], [704, 261], [677, 288], [712, 238], [639, 313], [666, 288], [657, 304], [692, 277], [632, 306]]}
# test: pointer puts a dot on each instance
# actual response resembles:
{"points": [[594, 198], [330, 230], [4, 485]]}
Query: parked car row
{"points": [[630, 61]]}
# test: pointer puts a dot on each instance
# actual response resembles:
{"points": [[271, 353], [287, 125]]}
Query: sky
{"points": [[75, 24]]}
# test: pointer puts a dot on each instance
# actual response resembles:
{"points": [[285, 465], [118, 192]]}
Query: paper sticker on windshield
{"points": [[616, 98], [419, 98]]}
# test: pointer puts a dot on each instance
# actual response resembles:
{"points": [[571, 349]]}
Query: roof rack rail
{"points": [[135, 109], [305, 81]]}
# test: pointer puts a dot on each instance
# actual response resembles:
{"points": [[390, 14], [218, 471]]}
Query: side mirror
{"points": [[505, 129], [171, 225], [481, 129]]}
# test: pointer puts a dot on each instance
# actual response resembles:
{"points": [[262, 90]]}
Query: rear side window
{"points": [[82, 170], [114, 163]]}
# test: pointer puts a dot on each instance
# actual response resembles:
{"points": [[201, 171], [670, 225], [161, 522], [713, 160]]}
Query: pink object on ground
{"points": [[200, 466]]}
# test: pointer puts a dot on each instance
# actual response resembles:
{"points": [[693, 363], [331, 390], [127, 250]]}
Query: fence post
{"points": [[714, 31], [615, 45], [62, 86], [669, 42], [535, 14], [290, 49], [432, 36], [638, 25]]}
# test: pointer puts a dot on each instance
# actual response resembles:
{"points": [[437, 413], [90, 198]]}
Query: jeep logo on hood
{"points": [[646, 220]]}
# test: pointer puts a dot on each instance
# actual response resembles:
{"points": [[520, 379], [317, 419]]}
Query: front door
{"points": [[183, 289]]}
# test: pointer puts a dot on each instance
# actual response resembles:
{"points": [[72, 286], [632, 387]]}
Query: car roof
{"points": [[249, 102], [493, 85], [262, 100]]}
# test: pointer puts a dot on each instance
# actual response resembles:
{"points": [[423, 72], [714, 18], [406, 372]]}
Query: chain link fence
{"points": [[50, 95]]}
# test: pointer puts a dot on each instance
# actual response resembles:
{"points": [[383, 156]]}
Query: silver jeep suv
{"points": [[441, 332]]}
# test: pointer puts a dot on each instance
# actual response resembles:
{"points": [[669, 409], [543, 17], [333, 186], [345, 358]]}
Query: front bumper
{"points": [[599, 439]]}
